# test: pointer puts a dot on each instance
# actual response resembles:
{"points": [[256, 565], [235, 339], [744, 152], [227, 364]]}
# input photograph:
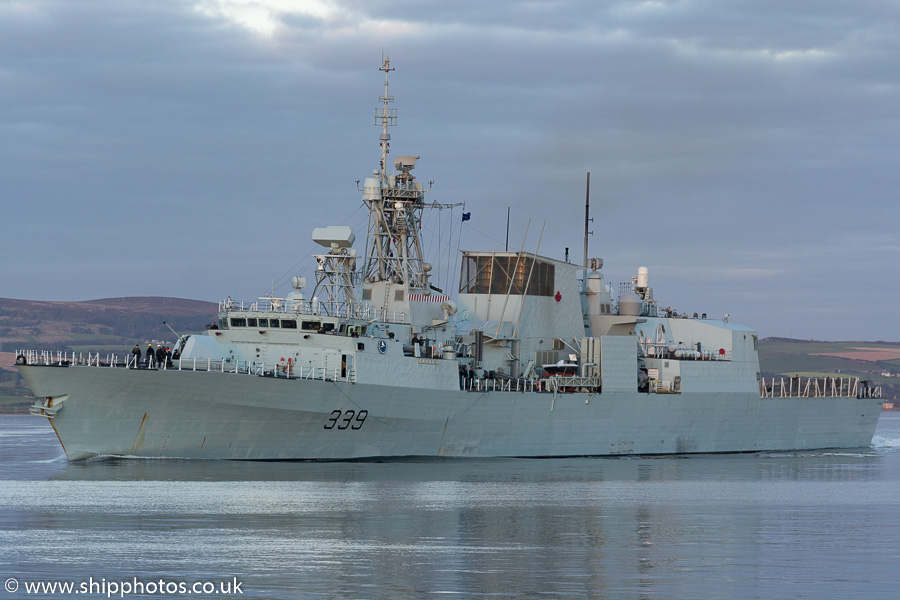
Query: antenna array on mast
{"points": [[395, 202]]}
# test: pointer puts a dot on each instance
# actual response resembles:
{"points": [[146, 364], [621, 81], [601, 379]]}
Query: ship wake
{"points": [[891, 440]]}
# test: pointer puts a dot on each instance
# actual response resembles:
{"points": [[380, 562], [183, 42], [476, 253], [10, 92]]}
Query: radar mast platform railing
{"points": [[314, 308]]}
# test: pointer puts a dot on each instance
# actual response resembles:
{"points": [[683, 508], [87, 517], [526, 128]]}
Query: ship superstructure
{"points": [[535, 357]]}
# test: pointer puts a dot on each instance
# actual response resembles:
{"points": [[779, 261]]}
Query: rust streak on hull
{"points": [[57, 436], [139, 438]]}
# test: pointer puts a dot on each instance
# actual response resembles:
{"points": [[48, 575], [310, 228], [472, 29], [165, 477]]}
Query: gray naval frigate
{"points": [[535, 358]]}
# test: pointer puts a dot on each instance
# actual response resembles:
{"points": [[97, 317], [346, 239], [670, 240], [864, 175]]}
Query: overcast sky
{"points": [[746, 152]]}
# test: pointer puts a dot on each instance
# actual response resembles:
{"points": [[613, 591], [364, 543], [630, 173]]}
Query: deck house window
{"points": [[288, 324], [494, 274], [238, 322]]}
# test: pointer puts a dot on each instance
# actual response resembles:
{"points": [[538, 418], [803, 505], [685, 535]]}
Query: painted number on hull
{"points": [[345, 418]]}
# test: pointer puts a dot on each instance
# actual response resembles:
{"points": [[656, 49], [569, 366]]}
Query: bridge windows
{"points": [[502, 274], [279, 324]]}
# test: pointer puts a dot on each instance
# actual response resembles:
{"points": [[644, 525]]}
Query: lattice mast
{"points": [[335, 271], [395, 202]]}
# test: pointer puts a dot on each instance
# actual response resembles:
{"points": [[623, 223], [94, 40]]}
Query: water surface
{"points": [[768, 525]]}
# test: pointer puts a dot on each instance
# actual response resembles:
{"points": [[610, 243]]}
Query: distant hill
{"points": [[112, 325], [866, 360], [789, 356], [97, 323]]}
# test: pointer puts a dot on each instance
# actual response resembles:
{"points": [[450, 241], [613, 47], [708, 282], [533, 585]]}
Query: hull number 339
{"points": [[342, 419]]}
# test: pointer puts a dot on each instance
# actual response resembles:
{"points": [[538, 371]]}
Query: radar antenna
{"points": [[395, 202]]}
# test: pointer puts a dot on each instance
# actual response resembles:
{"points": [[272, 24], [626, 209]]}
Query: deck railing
{"points": [[290, 306], [281, 369], [817, 387], [473, 384], [774, 387], [661, 350]]}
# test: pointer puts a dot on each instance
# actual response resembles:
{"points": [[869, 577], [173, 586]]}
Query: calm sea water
{"points": [[770, 525]]}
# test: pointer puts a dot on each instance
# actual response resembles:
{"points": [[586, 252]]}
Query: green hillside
{"points": [[796, 356], [866, 360]]}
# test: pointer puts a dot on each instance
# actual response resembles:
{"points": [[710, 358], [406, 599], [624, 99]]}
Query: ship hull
{"points": [[212, 415]]}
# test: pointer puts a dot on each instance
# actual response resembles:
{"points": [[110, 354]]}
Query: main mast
{"points": [[395, 202]]}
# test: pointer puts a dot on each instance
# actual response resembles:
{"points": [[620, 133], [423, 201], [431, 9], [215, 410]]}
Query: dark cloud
{"points": [[744, 151]]}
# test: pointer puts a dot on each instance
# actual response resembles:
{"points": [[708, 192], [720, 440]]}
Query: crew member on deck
{"points": [[149, 355], [137, 355]]}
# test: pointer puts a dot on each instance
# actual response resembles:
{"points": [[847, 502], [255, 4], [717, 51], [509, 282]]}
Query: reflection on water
{"points": [[813, 524]]}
